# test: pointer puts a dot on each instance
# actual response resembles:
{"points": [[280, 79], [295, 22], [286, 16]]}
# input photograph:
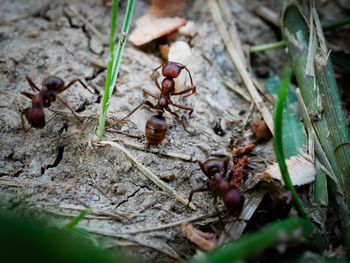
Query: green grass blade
{"points": [[294, 136], [122, 41], [278, 141], [113, 67], [253, 244], [77, 219], [109, 69], [337, 24], [322, 101]]}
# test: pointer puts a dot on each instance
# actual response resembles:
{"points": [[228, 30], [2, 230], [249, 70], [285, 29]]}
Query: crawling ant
{"points": [[156, 126], [51, 86], [216, 169]]}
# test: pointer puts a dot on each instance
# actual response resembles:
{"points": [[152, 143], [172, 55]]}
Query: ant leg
{"points": [[181, 66], [28, 95], [192, 88], [65, 104], [182, 107], [146, 92], [24, 112], [155, 70], [178, 119], [155, 79], [71, 83], [204, 189], [215, 203], [200, 166], [31, 84], [146, 102]]}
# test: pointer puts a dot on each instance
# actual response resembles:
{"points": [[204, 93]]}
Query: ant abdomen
{"points": [[36, 117], [234, 201], [156, 128]]}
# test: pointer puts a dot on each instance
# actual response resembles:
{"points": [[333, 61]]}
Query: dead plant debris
{"points": [[204, 240]]}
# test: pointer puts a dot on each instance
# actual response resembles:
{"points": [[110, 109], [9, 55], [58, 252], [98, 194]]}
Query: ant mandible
{"points": [[51, 86], [216, 169], [156, 126]]}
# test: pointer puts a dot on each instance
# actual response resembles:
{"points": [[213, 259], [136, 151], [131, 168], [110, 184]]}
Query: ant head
{"points": [[214, 167], [171, 69], [156, 128], [36, 117], [53, 83]]}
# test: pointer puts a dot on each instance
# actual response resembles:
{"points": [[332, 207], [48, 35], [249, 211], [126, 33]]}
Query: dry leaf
{"points": [[166, 7], [157, 23], [149, 28]]}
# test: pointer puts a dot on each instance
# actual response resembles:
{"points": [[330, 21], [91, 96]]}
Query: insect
{"points": [[216, 169], [51, 86], [156, 126]]}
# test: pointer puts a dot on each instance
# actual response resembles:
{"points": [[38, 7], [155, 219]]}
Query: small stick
{"points": [[155, 179], [165, 226], [263, 91], [231, 22], [134, 239], [268, 15], [52, 211], [124, 133], [141, 147], [245, 121], [118, 216], [239, 64], [97, 62], [236, 88]]}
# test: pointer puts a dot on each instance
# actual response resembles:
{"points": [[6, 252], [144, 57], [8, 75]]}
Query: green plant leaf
{"points": [[293, 134]]}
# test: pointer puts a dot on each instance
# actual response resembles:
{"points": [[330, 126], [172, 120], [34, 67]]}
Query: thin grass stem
{"points": [[282, 43], [278, 141], [109, 69], [265, 47], [115, 59], [77, 219]]}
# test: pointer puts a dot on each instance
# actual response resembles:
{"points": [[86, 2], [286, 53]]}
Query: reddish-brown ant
{"points": [[51, 86], [216, 169], [156, 126]]}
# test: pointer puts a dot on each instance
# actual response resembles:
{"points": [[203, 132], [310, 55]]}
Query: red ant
{"points": [[215, 170], [156, 126], [51, 86]]}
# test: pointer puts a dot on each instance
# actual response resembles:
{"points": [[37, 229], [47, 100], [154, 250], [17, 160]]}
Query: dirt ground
{"points": [[56, 171]]}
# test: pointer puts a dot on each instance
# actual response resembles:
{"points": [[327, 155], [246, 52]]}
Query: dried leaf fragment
{"points": [[204, 240], [149, 28], [166, 7], [301, 171]]}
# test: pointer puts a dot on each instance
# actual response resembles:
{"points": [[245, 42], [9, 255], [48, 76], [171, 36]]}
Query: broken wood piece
{"points": [[301, 171]]}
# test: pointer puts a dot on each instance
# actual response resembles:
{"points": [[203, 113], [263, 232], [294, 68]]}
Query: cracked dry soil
{"points": [[55, 172]]}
